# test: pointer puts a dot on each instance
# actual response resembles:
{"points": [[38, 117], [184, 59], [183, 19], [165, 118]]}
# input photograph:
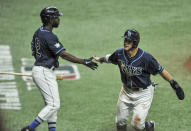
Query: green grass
{"points": [[94, 28]]}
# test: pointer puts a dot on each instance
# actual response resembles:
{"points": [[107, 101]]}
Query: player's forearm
{"points": [[67, 56], [102, 59], [167, 76]]}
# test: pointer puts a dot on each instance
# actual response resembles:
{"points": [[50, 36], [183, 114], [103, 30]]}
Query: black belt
{"points": [[51, 68], [46, 66], [137, 89], [134, 88]]}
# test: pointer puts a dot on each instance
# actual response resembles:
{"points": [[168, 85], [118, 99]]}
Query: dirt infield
{"points": [[188, 64]]}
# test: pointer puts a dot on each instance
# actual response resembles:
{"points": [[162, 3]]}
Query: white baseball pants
{"points": [[138, 102], [45, 80]]}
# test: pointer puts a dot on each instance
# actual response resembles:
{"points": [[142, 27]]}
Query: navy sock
{"points": [[149, 124], [52, 129], [35, 123], [52, 126]]}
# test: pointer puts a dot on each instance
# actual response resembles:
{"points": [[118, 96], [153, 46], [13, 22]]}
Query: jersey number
{"points": [[37, 46]]}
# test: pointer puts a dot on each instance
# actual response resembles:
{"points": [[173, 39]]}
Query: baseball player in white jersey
{"points": [[136, 94], [46, 48]]}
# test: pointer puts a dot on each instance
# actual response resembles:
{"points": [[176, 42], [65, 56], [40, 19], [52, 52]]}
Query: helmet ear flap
{"points": [[45, 20], [135, 44]]}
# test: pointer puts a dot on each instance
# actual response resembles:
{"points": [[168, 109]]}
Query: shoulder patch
{"points": [[57, 45]]}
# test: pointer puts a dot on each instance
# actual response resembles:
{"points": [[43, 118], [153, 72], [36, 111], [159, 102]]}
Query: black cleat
{"points": [[121, 128], [27, 128], [150, 126]]}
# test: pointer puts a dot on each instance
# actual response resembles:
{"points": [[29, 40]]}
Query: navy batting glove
{"points": [[179, 91], [89, 63]]}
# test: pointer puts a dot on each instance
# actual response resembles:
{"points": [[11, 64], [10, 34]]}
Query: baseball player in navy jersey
{"points": [[46, 49], [136, 94]]}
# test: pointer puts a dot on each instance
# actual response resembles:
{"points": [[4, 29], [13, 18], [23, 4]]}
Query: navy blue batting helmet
{"points": [[48, 13], [132, 35]]}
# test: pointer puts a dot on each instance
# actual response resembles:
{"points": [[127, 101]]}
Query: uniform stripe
{"points": [[49, 87], [50, 91], [138, 58], [60, 50], [135, 59], [51, 124], [39, 119], [161, 69]]}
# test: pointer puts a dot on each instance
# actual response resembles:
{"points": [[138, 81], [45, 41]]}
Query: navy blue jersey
{"points": [[136, 71], [45, 48]]}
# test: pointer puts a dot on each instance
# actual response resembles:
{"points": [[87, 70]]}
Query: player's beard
{"points": [[55, 24]]}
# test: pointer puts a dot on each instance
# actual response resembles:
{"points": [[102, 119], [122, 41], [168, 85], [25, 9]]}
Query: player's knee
{"points": [[54, 106], [138, 124], [57, 107]]}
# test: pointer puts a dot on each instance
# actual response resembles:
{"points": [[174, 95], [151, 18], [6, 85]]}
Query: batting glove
{"points": [[89, 63], [179, 91]]}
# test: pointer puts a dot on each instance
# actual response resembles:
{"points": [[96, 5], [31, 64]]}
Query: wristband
{"points": [[102, 59]]}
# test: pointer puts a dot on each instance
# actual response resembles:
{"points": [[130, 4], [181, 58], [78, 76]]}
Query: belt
{"points": [[135, 89], [51, 68]]}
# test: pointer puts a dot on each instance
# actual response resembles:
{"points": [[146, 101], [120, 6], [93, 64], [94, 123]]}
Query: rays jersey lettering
{"points": [[136, 71], [130, 70], [45, 48]]}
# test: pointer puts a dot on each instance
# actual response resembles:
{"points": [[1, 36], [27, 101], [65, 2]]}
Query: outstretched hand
{"points": [[96, 58], [179, 91], [89, 63]]}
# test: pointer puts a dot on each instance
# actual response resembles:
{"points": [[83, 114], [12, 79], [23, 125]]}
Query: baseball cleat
{"points": [[121, 128], [27, 128], [150, 126]]}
